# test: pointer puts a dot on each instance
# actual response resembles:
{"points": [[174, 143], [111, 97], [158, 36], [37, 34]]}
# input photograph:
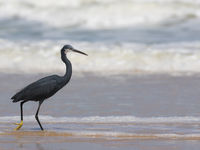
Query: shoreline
{"points": [[142, 96]]}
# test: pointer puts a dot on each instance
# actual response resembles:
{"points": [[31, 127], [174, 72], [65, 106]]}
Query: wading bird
{"points": [[46, 87]]}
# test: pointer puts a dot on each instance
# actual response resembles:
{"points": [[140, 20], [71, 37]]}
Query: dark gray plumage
{"points": [[45, 87]]}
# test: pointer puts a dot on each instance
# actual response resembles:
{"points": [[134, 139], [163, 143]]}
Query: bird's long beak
{"points": [[77, 51]]}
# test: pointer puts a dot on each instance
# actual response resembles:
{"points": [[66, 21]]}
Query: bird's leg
{"points": [[21, 123], [36, 115]]}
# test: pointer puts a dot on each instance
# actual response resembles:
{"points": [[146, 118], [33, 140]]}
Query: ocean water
{"points": [[140, 81], [148, 36]]}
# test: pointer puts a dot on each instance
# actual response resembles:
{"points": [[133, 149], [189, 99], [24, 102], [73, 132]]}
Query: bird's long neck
{"points": [[68, 72]]}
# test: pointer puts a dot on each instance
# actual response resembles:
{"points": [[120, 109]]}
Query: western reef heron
{"points": [[46, 87]]}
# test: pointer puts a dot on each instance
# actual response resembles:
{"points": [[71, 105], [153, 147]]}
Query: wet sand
{"points": [[42, 140], [89, 95]]}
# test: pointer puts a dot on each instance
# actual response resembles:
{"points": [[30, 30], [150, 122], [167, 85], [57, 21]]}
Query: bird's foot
{"points": [[19, 125]]}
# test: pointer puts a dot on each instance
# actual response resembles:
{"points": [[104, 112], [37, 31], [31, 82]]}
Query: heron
{"points": [[46, 87]]}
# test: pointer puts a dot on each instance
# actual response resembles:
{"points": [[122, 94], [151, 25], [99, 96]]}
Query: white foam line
{"points": [[104, 119], [124, 135], [134, 135]]}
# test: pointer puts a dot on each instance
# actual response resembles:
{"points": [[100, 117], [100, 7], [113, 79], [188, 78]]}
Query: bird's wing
{"points": [[40, 89]]}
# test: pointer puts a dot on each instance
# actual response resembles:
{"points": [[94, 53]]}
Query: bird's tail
{"points": [[15, 98]]}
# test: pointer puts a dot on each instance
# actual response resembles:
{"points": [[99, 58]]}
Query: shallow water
{"points": [[105, 111]]}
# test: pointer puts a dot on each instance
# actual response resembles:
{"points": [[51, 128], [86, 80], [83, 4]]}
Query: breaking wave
{"points": [[128, 58], [123, 37], [108, 13]]}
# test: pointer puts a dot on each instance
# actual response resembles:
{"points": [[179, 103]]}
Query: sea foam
{"points": [[108, 13], [123, 37], [127, 58], [106, 119]]}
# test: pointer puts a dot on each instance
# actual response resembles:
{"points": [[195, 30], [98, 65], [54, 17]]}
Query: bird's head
{"points": [[69, 48]]}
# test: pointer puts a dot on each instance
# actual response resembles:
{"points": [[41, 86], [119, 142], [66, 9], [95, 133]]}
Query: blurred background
{"points": [[121, 37]]}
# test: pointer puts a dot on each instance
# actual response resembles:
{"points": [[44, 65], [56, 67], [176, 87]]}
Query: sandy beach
{"points": [[115, 112]]}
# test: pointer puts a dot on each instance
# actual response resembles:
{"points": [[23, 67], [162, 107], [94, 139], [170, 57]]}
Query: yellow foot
{"points": [[19, 125]]}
